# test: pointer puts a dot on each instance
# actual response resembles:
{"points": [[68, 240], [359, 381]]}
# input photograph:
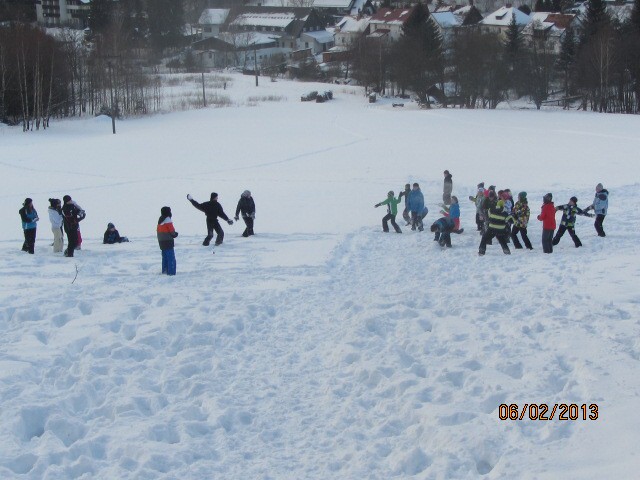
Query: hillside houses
{"points": [[389, 22], [546, 30], [498, 22]]}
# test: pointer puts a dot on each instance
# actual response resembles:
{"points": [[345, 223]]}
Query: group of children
{"points": [[212, 210], [66, 215], [497, 216]]}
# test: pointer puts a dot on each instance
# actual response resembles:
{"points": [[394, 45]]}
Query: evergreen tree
{"points": [[513, 54], [567, 58], [165, 20], [635, 16], [423, 56], [596, 18], [100, 15]]}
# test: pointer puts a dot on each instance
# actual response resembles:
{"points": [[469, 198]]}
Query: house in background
{"points": [[546, 30], [348, 30], [498, 22], [63, 13], [389, 22], [212, 20], [286, 25], [447, 24]]}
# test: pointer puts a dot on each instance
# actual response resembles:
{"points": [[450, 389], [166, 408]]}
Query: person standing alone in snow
{"points": [[600, 205], [247, 207], [548, 218], [29, 218], [212, 210], [56, 219], [447, 188], [392, 210], [166, 233]]}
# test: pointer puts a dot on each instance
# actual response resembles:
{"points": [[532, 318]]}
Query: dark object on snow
{"points": [[309, 97], [111, 236], [372, 98], [398, 104]]}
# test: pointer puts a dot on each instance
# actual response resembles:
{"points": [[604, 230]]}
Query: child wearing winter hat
{"points": [[600, 205], [568, 221], [29, 217], [166, 234], [520, 214], [548, 218], [452, 211], [56, 219], [111, 236]]}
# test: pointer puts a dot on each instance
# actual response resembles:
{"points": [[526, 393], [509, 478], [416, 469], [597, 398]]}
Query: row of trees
{"points": [[600, 65], [42, 76]]}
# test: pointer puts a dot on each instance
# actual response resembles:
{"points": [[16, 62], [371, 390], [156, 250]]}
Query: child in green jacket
{"points": [[392, 210]]}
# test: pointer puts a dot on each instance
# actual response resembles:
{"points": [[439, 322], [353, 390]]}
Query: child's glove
{"points": [[189, 197], [376, 205]]}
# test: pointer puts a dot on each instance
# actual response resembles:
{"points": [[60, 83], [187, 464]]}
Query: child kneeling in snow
{"points": [[112, 236]]}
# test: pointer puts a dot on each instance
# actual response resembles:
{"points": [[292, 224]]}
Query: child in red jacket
{"points": [[548, 219]]}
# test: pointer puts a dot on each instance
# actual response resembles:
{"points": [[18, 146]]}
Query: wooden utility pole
{"points": [[113, 113], [255, 62], [204, 96]]}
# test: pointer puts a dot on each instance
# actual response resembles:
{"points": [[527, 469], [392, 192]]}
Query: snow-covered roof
{"points": [[502, 17], [620, 12], [351, 24], [286, 3], [321, 36], [446, 19], [390, 16], [275, 19], [331, 3], [462, 11], [556, 23], [213, 16]]}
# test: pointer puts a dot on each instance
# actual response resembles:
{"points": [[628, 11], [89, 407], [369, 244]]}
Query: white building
{"points": [[499, 21], [349, 30], [387, 21], [65, 13], [546, 30], [211, 21]]}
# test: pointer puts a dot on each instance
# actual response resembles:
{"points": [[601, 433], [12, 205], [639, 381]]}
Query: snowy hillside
{"points": [[321, 348]]}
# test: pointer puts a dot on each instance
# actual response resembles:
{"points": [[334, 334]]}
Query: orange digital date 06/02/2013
{"points": [[548, 411]]}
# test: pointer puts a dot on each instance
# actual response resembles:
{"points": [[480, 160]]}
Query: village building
{"points": [[546, 31], [498, 22]]}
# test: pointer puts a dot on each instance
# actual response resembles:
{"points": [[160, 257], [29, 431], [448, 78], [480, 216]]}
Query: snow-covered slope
{"points": [[320, 348]]}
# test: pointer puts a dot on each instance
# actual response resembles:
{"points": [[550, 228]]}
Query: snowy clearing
{"points": [[320, 348]]}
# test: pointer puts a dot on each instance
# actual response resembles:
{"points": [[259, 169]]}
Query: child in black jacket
{"points": [[569, 212], [111, 236]]}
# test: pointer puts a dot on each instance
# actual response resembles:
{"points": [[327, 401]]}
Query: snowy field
{"points": [[321, 348]]}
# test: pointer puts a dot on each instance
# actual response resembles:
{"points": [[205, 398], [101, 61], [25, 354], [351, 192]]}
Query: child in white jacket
{"points": [[55, 216]]}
